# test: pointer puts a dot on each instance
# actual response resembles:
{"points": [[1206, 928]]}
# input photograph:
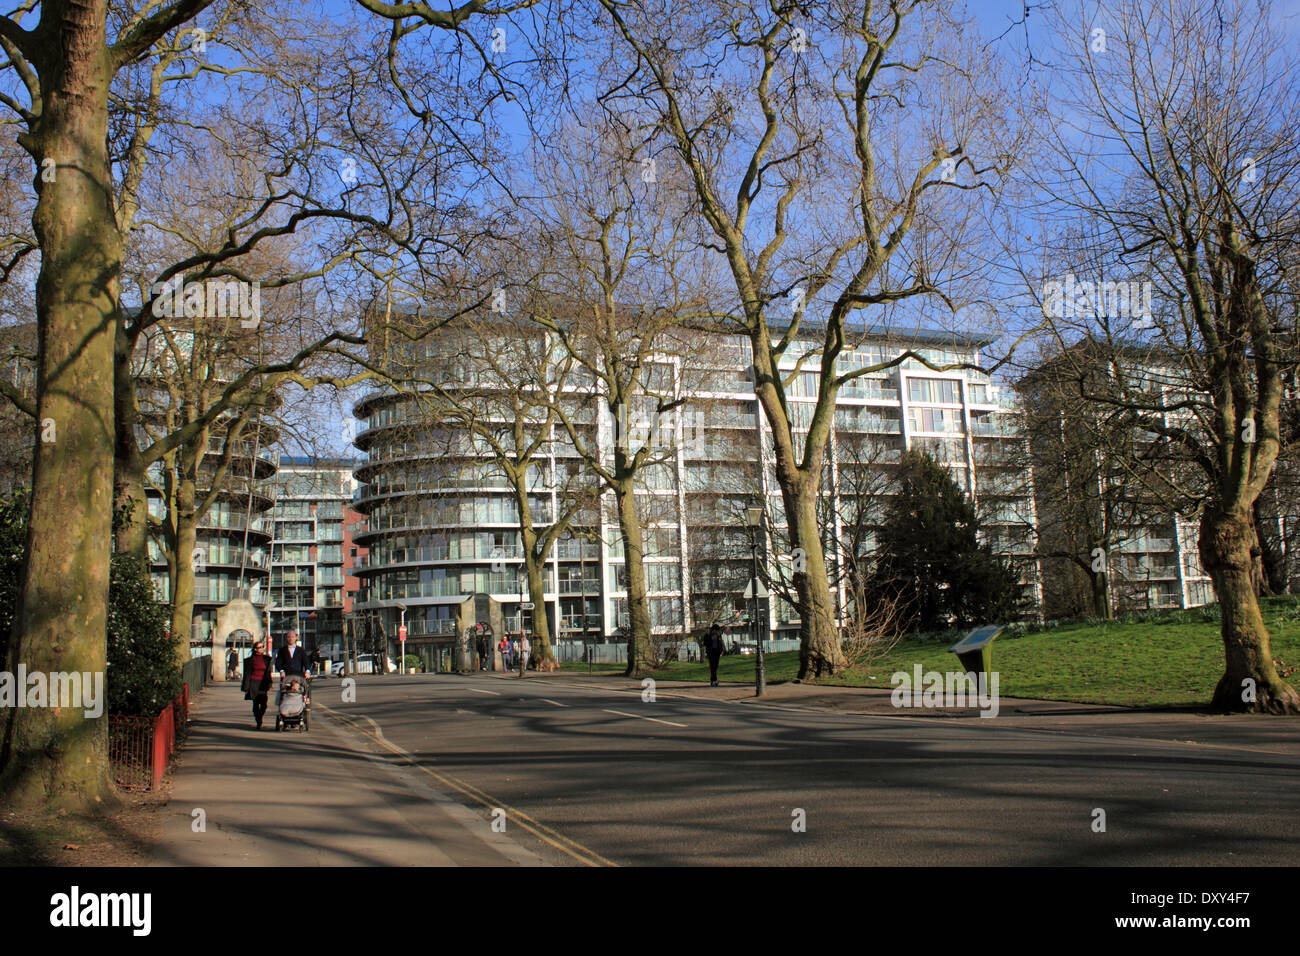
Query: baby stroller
{"points": [[295, 704]]}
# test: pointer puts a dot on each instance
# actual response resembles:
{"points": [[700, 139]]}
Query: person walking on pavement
{"points": [[291, 659], [713, 647], [257, 680], [525, 648], [232, 665]]}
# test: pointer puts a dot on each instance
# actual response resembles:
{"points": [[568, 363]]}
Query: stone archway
{"points": [[239, 615]]}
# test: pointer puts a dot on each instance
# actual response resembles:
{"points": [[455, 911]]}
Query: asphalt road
{"points": [[588, 774]]}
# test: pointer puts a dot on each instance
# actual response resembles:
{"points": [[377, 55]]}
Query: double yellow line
{"points": [[544, 833]]}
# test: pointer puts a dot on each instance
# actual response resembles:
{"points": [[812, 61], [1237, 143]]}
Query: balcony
{"points": [[229, 557], [439, 627], [570, 586], [577, 623], [426, 555], [993, 429], [225, 521], [1147, 544], [447, 588], [569, 551]]}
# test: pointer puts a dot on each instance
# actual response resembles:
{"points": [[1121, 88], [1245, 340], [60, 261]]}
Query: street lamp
{"points": [[754, 522]]}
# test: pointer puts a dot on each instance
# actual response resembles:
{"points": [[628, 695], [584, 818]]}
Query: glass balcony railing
{"points": [[573, 586], [993, 429]]}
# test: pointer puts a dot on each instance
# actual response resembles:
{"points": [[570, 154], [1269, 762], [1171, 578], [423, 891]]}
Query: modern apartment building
{"points": [[1112, 530], [443, 525], [311, 550]]}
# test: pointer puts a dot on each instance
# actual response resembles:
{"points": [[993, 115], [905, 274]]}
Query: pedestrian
{"points": [[257, 680], [525, 648], [232, 665], [514, 653], [713, 647], [291, 659]]}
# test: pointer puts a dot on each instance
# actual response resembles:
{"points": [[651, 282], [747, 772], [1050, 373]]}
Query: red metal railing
{"points": [[139, 748]]}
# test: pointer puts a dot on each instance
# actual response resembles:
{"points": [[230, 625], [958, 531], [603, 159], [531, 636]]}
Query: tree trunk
{"points": [[51, 756], [183, 572], [819, 645], [640, 645], [132, 534], [1101, 603], [1250, 681], [543, 653]]}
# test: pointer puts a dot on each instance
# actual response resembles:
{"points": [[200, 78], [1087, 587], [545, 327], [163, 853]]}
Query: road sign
{"points": [[749, 591], [527, 605], [401, 633]]}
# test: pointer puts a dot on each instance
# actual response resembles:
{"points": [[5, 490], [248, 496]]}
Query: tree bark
{"points": [[1250, 681], [51, 756], [184, 538], [640, 646], [819, 645], [535, 565], [1272, 563], [132, 534], [1101, 604]]}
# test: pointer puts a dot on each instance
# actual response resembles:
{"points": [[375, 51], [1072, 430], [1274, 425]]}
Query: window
{"points": [[934, 390], [665, 612], [663, 577], [934, 419]]}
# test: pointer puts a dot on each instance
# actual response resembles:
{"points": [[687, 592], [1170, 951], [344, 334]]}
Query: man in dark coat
{"points": [[257, 680], [291, 659], [713, 647]]}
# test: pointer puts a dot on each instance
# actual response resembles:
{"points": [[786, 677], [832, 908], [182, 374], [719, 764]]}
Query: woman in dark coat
{"points": [[257, 680]]}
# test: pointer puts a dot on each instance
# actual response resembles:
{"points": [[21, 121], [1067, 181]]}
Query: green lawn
{"points": [[1128, 663]]}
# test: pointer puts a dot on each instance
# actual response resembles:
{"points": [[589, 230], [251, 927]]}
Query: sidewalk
{"points": [[310, 799]]}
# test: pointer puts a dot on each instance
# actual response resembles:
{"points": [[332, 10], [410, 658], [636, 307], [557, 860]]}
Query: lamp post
{"points": [[754, 521]]}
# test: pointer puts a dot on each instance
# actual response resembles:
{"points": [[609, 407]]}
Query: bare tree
{"points": [[838, 156], [1185, 174], [1088, 505], [612, 292], [76, 70]]}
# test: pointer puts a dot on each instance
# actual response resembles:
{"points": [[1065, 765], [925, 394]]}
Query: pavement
{"points": [[411, 770], [244, 797]]}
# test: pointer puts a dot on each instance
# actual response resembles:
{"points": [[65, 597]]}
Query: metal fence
{"points": [[576, 651], [194, 673], [140, 748]]}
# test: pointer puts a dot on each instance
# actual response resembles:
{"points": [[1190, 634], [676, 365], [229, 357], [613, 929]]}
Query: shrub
{"points": [[142, 675], [13, 547]]}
